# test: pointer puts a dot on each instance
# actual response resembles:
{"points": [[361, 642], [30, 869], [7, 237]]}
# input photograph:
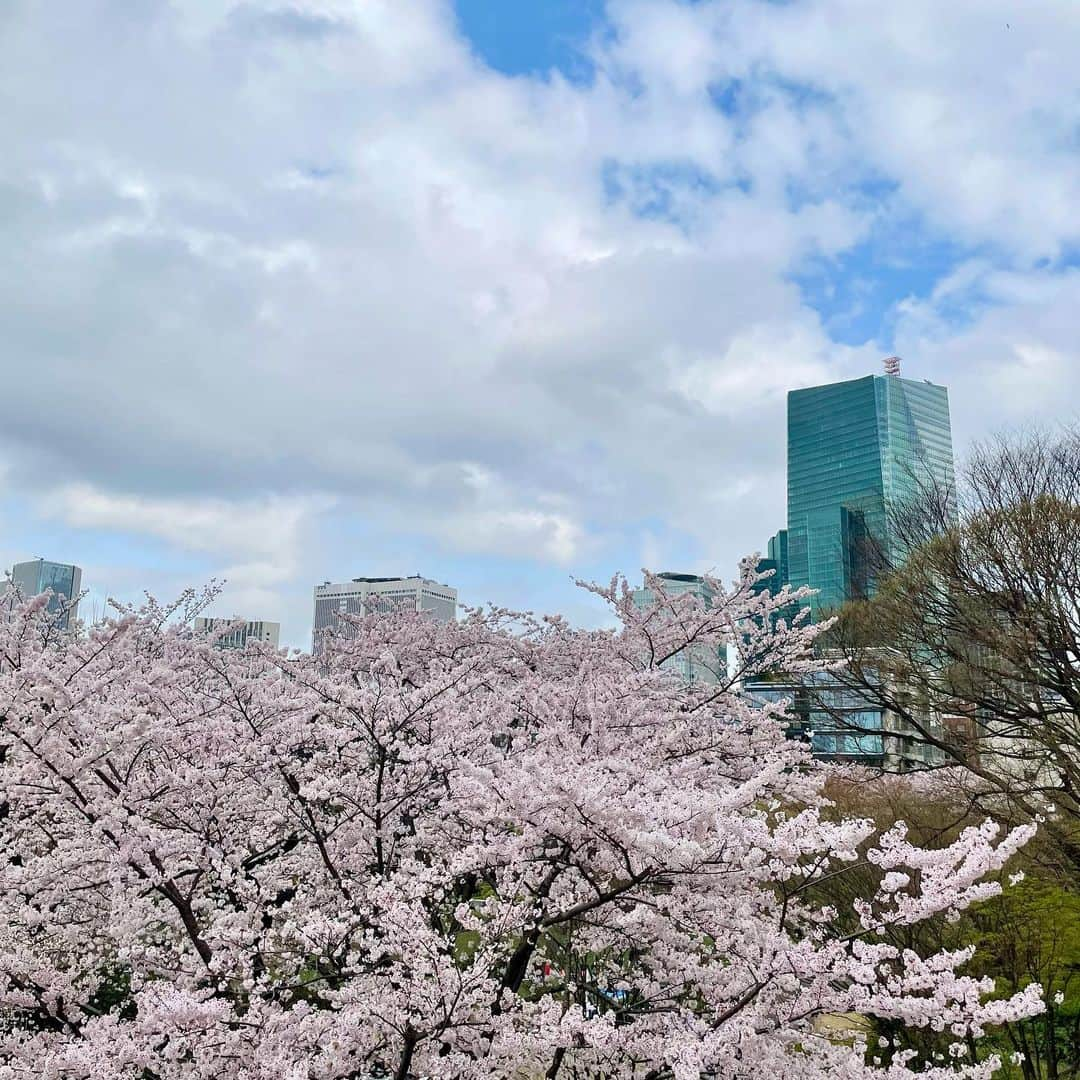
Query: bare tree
{"points": [[972, 642]]}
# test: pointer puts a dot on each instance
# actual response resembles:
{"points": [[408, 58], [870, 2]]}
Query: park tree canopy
{"points": [[500, 848]]}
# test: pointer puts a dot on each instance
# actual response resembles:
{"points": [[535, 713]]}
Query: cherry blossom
{"points": [[503, 847]]}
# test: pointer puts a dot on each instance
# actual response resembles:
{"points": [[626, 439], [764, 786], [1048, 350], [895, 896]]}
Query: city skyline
{"points": [[856, 451], [895, 455], [539, 538], [513, 293]]}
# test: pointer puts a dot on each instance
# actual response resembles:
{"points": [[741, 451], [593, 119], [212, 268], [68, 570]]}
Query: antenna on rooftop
{"points": [[892, 365]]}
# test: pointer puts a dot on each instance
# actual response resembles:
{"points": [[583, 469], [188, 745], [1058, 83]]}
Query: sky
{"points": [[506, 292]]}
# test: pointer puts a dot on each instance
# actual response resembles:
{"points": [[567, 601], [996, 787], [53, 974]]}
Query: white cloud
{"points": [[759, 365], [266, 527], [970, 108], [255, 547], [447, 281], [1015, 362], [253, 252], [529, 534]]}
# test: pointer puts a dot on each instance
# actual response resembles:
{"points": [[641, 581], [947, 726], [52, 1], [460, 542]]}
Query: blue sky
{"points": [[855, 292], [506, 293], [533, 37]]}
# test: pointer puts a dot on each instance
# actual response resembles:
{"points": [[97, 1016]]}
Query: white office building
{"points": [[364, 595], [237, 636]]}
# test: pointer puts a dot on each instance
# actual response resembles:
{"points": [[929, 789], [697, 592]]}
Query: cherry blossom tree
{"points": [[502, 848]]}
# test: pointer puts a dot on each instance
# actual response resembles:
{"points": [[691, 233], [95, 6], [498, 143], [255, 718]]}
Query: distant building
{"points": [[364, 595], [773, 583], [65, 581], [239, 636], [856, 451], [842, 725], [775, 564], [698, 663], [777, 554]]}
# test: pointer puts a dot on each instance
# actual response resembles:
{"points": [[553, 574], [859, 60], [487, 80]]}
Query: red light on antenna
{"points": [[892, 365]]}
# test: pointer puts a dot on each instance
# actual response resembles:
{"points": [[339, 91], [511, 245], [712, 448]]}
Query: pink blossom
{"points": [[498, 848]]}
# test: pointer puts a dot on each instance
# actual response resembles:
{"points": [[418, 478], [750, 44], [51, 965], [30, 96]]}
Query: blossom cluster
{"points": [[502, 847]]}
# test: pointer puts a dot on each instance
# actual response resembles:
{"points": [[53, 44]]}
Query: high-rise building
{"points": [[775, 564], [364, 595], [777, 555], [39, 575], [856, 451], [239, 635], [697, 663]]}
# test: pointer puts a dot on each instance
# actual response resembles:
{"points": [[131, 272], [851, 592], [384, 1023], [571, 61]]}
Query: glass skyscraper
{"points": [[856, 450], [776, 560], [696, 663], [39, 575]]}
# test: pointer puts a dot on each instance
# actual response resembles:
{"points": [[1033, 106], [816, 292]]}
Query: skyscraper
{"points": [[40, 575], [696, 663], [778, 554], [775, 563], [857, 450], [364, 595]]}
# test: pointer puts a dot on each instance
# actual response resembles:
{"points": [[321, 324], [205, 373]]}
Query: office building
{"points": [[698, 663], [63, 580], [843, 725], [775, 564], [365, 595], [777, 558], [856, 451], [233, 636]]}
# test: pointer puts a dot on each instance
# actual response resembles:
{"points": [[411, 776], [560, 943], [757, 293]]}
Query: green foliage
{"points": [[1028, 934], [114, 994], [1031, 933]]}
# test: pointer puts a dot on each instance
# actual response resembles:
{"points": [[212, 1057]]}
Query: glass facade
{"points": [[64, 581], [778, 555], [698, 663], [775, 563], [856, 449], [842, 724], [823, 713]]}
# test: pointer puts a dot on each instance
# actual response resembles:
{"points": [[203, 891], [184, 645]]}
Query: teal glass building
{"points": [[696, 663], [856, 450], [63, 580], [776, 560], [839, 724]]}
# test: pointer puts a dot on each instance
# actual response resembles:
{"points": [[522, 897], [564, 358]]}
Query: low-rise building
{"points": [[843, 724], [237, 632]]}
